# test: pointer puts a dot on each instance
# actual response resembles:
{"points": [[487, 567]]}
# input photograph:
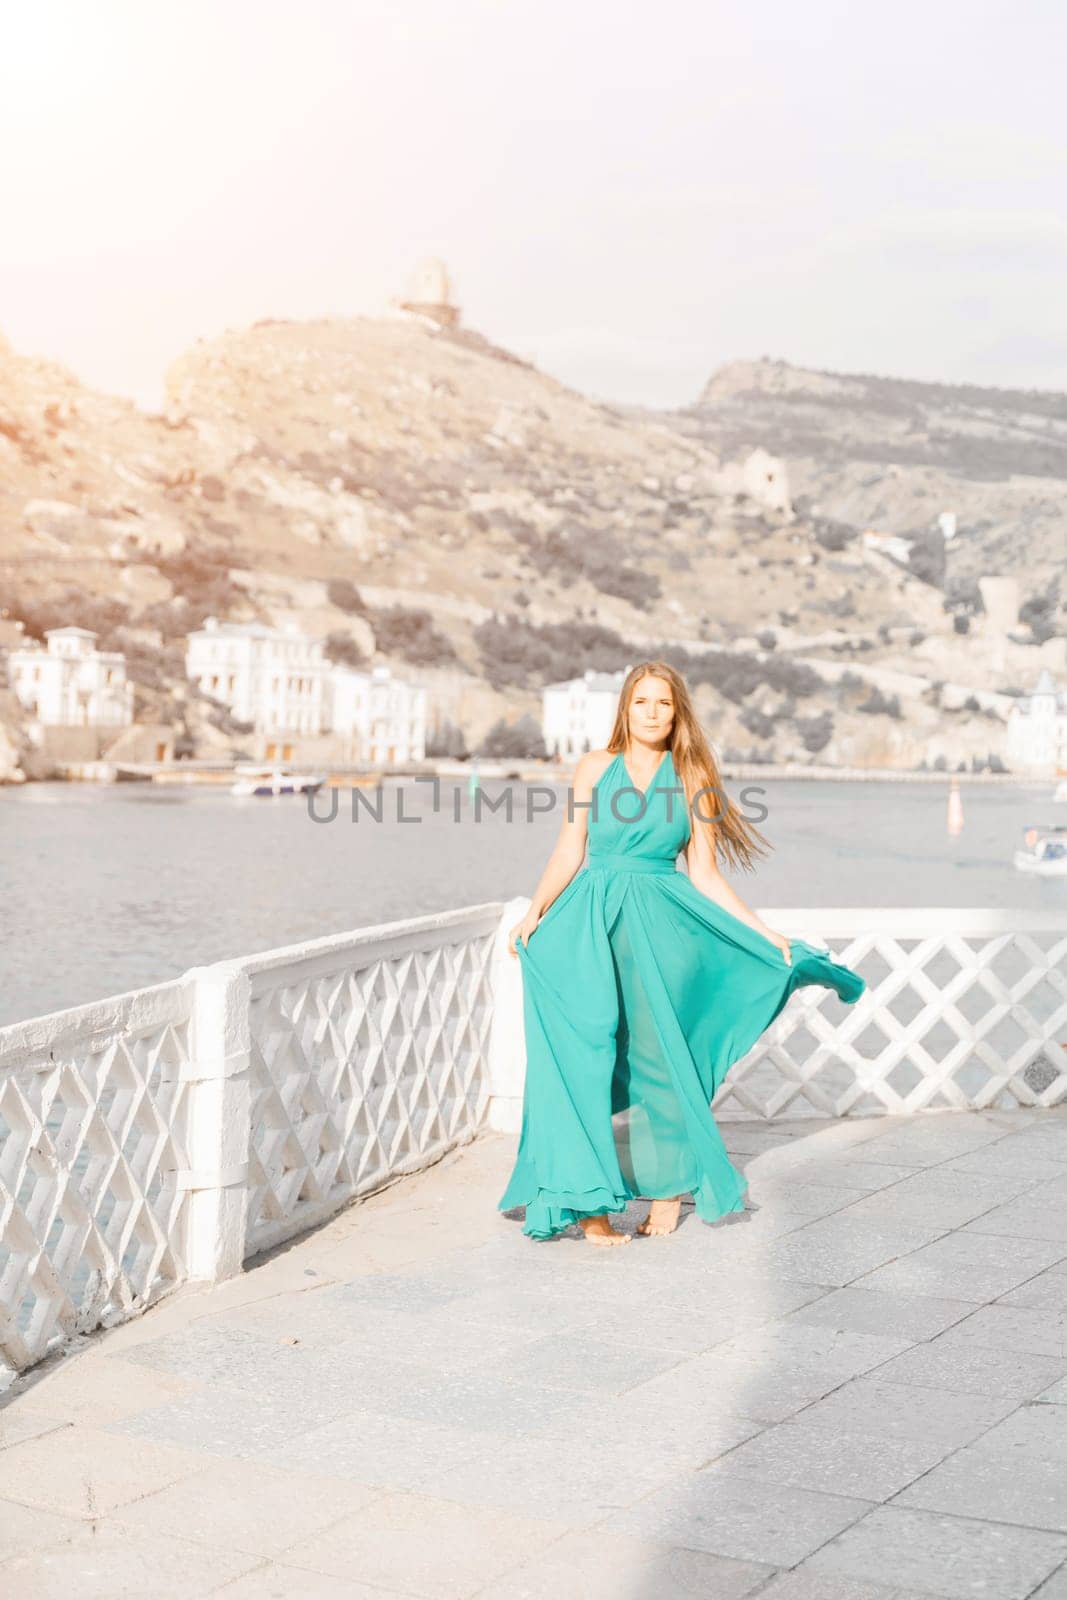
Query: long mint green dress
{"points": [[639, 993]]}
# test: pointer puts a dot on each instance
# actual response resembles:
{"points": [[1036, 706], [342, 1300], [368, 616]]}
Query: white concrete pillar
{"points": [[507, 1038], [219, 1122]]}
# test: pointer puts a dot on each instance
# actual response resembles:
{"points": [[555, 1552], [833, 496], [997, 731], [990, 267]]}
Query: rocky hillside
{"points": [[889, 455], [422, 498]]}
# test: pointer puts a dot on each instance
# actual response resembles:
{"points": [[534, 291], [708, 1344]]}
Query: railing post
{"points": [[507, 1039], [219, 1122]]}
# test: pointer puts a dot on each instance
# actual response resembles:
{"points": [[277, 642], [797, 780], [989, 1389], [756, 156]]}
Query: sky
{"points": [[629, 193]]}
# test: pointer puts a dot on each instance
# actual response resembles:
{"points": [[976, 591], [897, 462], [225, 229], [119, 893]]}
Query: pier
{"points": [[267, 1334]]}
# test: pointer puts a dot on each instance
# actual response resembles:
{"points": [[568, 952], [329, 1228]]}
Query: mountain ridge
{"points": [[439, 473]]}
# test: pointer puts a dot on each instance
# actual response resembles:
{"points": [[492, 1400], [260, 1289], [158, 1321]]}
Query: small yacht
{"points": [[275, 780], [1045, 852], [1059, 794]]}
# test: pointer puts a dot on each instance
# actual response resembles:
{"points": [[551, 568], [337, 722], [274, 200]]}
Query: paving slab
{"points": [[776, 1371], [802, 1583], [736, 1515], [907, 1411], [951, 1199], [817, 1198], [577, 1480], [18, 1423], [1045, 1140], [369, 1449], [1024, 1329], [1044, 1291], [694, 1424], [995, 1482], [958, 1364], [227, 1422], [426, 1546], [1007, 1159], [585, 1361], [677, 1320], [1054, 1587], [105, 1559], [615, 1566], [273, 1580], [800, 1455], [946, 1138], [97, 1389], [957, 1557], [849, 1169], [1033, 1215], [856, 1389], [837, 1250], [914, 1317], [25, 1529], [245, 1506], [967, 1266], [1039, 1429], [87, 1472]]}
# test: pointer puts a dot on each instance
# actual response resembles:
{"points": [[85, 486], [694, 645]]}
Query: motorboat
{"points": [[1045, 852], [275, 780]]}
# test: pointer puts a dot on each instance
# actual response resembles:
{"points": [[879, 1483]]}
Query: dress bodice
{"points": [[629, 830]]}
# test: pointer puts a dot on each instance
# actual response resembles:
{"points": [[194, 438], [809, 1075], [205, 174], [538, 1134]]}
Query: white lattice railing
{"points": [[964, 1010], [369, 1058], [172, 1133], [94, 1146]]}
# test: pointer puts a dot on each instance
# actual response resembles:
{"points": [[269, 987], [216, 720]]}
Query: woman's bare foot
{"points": [[598, 1230], [662, 1216]]}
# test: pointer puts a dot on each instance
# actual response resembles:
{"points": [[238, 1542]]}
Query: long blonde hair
{"points": [[733, 837]]}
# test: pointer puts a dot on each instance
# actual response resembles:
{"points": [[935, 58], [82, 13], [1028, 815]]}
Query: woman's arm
{"points": [[569, 850], [560, 868], [704, 874]]}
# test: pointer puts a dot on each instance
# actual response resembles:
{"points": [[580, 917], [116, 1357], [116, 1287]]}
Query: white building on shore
{"points": [[577, 715], [1037, 729], [68, 683], [273, 678], [384, 717]]}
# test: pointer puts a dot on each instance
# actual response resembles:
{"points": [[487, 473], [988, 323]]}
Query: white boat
{"points": [[1045, 853], [275, 780], [1059, 794]]}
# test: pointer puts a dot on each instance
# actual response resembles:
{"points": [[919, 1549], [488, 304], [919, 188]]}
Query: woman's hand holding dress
{"points": [[522, 930], [781, 942]]}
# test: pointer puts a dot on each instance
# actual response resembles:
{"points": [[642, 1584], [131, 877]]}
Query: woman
{"points": [[641, 985]]}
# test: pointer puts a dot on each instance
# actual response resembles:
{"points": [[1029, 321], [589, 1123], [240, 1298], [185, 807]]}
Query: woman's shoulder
{"points": [[592, 765]]}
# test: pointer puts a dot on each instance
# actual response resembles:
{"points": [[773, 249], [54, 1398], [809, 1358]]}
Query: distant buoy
{"points": [[955, 808]]}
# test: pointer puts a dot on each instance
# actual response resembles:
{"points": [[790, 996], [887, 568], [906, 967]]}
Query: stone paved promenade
{"points": [[855, 1390]]}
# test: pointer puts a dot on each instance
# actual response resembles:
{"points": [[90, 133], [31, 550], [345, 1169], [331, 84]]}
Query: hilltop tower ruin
{"points": [[429, 294]]}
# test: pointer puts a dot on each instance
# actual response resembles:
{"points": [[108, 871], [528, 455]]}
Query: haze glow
{"points": [[629, 195]]}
